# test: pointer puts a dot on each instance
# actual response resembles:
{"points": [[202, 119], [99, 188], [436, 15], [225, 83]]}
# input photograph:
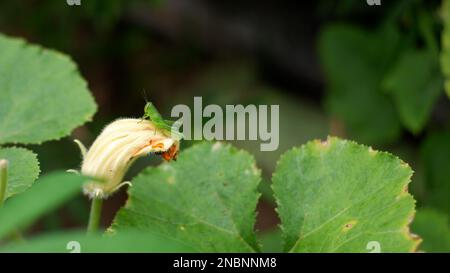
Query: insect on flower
{"points": [[166, 126], [120, 144]]}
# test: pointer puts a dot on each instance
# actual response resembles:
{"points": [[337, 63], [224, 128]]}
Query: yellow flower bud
{"points": [[116, 148]]}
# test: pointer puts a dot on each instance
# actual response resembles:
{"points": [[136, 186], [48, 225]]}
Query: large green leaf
{"points": [[23, 169], [207, 199], [445, 39], [433, 227], [355, 62], [42, 95], [47, 193], [79, 242], [338, 196], [415, 83]]}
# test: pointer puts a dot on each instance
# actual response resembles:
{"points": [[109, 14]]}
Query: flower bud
{"points": [[116, 148]]}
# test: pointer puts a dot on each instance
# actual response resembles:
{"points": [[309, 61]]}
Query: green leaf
{"points": [[47, 193], [42, 95], [23, 169], [415, 83], [354, 62], [271, 241], [128, 241], [445, 40], [207, 198], [435, 152], [337, 196], [433, 227]]}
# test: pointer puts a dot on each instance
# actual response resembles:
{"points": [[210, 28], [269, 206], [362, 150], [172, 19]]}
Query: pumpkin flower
{"points": [[117, 147]]}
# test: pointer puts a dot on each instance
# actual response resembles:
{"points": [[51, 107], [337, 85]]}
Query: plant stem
{"points": [[94, 215], [3, 179]]}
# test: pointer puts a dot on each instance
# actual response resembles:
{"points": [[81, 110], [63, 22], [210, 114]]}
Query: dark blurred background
{"points": [[240, 52]]}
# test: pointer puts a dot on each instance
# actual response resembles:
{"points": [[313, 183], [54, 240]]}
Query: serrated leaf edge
{"points": [[406, 231], [192, 149], [24, 43]]}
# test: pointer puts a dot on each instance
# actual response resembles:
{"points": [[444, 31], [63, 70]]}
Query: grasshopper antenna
{"points": [[144, 95]]}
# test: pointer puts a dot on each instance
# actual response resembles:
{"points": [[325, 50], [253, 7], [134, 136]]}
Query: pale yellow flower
{"points": [[117, 147]]}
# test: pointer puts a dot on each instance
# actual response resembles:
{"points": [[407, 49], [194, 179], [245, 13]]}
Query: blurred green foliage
{"points": [[433, 227], [355, 62], [78, 242], [50, 192]]}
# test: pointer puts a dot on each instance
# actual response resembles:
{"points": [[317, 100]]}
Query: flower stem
{"points": [[3, 179], [95, 214]]}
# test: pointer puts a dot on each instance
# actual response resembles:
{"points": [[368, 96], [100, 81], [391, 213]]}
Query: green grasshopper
{"points": [[154, 116]]}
